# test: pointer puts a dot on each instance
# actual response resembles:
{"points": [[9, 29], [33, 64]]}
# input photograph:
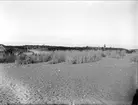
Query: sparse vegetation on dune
{"points": [[134, 59], [71, 57], [29, 54], [61, 86]]}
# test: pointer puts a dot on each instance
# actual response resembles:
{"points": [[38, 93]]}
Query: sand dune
{"points": [[110, 80]]}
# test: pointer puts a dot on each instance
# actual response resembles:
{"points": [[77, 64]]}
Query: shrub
{"points": [[114, 54], [71, 57], [46, 57], [10, 59], [58, 57], [107, 53], [122, 53], [134, 58], [77, 57], [20, 59], [2, 60]]}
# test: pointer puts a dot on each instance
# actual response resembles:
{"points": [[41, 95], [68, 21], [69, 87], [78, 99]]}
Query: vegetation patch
{"points": [[70, 57]]}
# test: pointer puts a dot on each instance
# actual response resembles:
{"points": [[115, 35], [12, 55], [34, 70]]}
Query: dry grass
{"points": [[71, 57], [22, 98], [134, 59]]}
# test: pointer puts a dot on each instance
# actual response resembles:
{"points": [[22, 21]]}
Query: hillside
{"points": [[108, 80]]}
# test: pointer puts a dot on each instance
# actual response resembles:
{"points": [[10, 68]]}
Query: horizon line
{"points": [[107, 46]]}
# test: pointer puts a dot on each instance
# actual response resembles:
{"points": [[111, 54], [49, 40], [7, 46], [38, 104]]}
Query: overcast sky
{"points": [[68, 23]]}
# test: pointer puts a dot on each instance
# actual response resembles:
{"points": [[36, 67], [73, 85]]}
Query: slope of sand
{"points": [[107, 81]]}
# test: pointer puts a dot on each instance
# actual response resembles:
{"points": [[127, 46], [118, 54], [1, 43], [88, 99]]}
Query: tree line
{"points": [[13, 49]]}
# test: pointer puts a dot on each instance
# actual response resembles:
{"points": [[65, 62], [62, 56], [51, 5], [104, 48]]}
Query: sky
{"points": [[69, 23]]}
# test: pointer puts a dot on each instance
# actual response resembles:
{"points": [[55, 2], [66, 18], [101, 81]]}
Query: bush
{"points": [[46, 57], [114, 54], [20, 59], [58, 57], [78, 57], [71, 57], [2, 60], [34, 58], [122, 53], [134, 59], [10, 59]]}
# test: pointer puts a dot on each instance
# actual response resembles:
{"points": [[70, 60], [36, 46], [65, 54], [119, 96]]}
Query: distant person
{"points": [[135, 98]]}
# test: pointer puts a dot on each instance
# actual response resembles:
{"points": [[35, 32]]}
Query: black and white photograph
{"points": [[68, 52]]}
